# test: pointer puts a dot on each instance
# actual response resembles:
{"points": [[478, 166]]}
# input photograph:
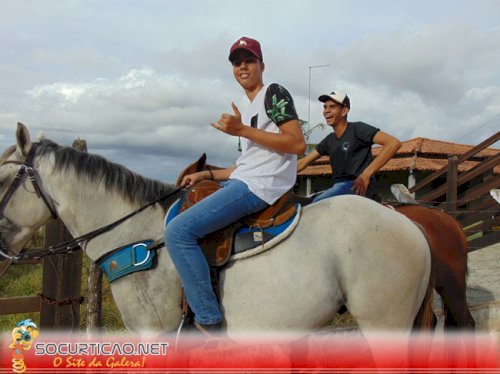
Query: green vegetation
{"points": [[26, 280], [20, 281]]}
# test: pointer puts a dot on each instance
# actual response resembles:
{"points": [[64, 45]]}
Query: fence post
{"points": [[62, 278], [451, 185], [94, 298]]}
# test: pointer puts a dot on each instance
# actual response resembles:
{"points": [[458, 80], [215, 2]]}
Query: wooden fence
{"points": [[467, 195]]}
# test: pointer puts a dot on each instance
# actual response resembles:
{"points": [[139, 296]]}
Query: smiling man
{"points": [[271, 140], [349, 149]]}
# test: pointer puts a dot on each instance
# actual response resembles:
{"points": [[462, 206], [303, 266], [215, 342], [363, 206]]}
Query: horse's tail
{"points": [[426, 319], [424, 324]]}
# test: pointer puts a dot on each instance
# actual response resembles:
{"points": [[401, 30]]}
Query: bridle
{"points": [[26, 168]]}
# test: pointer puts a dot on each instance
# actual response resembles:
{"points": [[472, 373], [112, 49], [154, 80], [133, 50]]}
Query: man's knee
{"points": [[174, 231]]}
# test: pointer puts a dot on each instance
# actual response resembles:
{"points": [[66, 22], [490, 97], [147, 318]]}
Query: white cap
{"points": [[337, 96]]}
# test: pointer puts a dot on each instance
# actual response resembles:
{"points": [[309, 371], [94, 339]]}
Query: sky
{"points": [[141, 80]]}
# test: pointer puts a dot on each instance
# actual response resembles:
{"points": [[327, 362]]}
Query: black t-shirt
{"points": [[351, 153]]}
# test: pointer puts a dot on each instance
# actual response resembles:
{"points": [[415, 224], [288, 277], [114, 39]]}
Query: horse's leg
{"points": [[449, 261], [450, 268], [396, 291], [371, 315], [456, 311]]}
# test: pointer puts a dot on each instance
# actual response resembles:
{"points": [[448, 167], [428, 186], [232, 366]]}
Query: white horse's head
{"points": [[22, 212]]}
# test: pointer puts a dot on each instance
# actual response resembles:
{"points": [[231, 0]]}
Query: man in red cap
{"points": [[271, 139], [350, 149]]}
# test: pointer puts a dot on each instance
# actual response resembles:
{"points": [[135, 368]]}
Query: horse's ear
{"points": [[192, 168], [23, 139], [200, 164], [40, 136]]}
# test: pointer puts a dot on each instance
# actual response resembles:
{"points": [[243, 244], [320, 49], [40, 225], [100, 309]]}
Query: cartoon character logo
{"points": [[23, 336]]}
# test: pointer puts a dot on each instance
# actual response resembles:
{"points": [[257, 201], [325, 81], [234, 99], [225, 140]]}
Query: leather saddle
{"points": [[218, 245]]}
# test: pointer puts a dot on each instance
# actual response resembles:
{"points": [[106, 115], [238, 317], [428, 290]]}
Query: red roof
{"points": [[437, 147], [419, 154]]}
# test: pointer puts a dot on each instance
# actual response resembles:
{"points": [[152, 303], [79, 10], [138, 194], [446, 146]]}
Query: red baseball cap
{"points": [[251, 45]]}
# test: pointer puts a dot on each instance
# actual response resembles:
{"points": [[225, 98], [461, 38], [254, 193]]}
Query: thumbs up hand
{"points": [[230, 123]]}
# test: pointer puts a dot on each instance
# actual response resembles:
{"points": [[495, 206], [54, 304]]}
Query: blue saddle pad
{"points": [[126, 260], [245, 237]]}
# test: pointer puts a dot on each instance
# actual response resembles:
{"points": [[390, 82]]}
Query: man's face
{"points": [[333, 112], [247, 69]]}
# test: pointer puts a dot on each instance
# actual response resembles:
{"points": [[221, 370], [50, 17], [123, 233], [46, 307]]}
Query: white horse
{"points": [[346, 250]]}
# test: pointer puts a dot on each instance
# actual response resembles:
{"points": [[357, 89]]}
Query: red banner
{"points": [[311, 353]]}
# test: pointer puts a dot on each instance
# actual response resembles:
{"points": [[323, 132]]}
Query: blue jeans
{"points": [[216, 211], [339, 188]]}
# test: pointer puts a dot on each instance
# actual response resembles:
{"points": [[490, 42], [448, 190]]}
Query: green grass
{"points": [[19, 281], [343, 320], [26, 280]]}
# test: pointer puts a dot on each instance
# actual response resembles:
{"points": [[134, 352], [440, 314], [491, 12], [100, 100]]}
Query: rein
{"points": [[74, 244], [26, 168]]}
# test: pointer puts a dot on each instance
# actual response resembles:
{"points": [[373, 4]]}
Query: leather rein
{"points": [[26, 168]]}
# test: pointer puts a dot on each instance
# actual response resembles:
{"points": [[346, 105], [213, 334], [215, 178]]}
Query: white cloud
{"points": [[141, 114]]}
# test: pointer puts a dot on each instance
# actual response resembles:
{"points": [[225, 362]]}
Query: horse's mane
{"points": [[95, 168], [5, 155]]}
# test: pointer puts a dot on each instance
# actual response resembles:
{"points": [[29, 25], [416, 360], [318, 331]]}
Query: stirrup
{"points": [[178, 335]]}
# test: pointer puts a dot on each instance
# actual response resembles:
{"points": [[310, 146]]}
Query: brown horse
{"points": [[449, 261]]}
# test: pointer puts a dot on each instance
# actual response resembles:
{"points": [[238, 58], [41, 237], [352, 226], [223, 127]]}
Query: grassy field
{"points": [[26, 280]]}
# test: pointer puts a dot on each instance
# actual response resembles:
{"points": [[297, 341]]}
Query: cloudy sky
{"points": [[141, 80]]}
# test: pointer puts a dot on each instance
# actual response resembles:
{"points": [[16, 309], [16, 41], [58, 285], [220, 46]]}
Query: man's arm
{"points": [[307, 160], [289, 140], [390, 146], [218, 174]]}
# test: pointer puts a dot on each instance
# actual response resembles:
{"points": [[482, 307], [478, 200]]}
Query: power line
{"points": [[480, 127]]}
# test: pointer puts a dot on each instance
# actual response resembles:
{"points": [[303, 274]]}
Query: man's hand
{"points": [[229, 123], [192, 179], [361, 184]]}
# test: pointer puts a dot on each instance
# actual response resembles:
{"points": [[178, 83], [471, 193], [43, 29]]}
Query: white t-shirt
{"points": [[267, 173]]}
